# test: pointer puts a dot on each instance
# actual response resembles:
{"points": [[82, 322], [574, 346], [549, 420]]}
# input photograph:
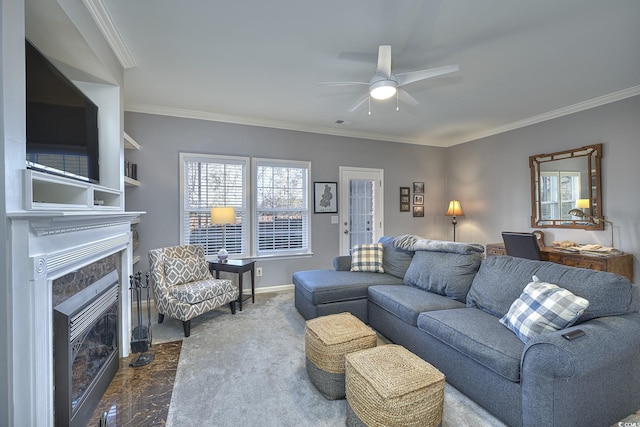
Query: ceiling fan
{"points": [[384, 84]]}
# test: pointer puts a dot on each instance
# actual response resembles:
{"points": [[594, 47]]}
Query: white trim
{"points": [[252, 121], [564, 111], [108, 29], [279, 288]]}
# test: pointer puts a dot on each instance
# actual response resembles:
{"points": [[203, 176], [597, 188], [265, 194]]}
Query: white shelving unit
{"points": [[44, 191], [131, 144]]}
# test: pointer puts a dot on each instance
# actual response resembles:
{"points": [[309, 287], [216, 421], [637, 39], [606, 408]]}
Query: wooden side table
{"points": [[238, 266]]}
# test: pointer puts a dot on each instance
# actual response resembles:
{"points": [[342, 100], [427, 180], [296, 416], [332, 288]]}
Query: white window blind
{"points": [[214, 181], [281, 206]]}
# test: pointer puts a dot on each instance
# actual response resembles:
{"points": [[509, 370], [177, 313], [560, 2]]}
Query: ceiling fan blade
{"points": [[406, 98], [342, 83], [358, 103], [414, 76], [384, 61]]}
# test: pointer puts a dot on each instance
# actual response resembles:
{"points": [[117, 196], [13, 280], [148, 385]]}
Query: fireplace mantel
{"points": [[46, 245]]}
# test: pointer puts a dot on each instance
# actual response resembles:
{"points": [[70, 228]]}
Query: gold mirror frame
{"points": [[588, 160]]}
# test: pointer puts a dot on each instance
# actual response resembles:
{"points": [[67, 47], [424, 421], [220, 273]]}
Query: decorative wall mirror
{"points": [[564, 181]]}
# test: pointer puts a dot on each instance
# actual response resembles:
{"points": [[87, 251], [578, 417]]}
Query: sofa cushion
{"points": [[184, 270], [477, 335], [367, 258], [443, 273], [542, 308], [501, 279], [201, 290], [407, 302], [326, 286], [395, 261]]}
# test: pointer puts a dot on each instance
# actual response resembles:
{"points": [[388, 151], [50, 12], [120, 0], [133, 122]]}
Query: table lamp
{"points": [[222, 216], [454, 210]]}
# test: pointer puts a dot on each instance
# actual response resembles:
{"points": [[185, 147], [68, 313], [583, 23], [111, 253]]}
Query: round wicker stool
{"points": [[390, 386], [327, 340]]}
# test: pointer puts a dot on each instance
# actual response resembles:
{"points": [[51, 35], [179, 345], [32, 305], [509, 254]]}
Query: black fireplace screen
{"points": [[86, 349]]}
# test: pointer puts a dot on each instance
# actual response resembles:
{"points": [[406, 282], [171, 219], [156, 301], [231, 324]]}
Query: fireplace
{"points": [[85, 348]]}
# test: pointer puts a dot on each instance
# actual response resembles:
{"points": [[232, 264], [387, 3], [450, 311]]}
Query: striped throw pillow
{"points": [[367, 257], [542, 308]]}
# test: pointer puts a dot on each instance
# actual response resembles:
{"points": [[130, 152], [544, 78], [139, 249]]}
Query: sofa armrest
{"points": [[342, 263], [569, 382]]}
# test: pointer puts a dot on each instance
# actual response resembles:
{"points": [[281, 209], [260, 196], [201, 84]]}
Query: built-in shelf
{"points": [[130, 182], [136, 258], [51, 192], [130, 143]]}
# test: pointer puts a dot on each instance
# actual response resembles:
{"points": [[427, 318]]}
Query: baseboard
{"points": [[279, 288]]}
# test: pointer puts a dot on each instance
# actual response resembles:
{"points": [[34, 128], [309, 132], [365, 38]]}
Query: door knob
{"points": [[346, 231]]}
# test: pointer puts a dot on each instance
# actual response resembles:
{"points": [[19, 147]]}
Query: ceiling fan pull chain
{"points": [[397, 103], [369, 104]]}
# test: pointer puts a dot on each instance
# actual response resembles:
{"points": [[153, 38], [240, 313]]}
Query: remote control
{"points": [[573, 334]]}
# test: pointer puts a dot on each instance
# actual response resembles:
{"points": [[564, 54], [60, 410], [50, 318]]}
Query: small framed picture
{"points": [[325, 197], [418, 187], [405, 199], [418, 211], [418, 199]]}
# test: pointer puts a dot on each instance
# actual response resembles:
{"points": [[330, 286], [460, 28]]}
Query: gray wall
{"points": [[491, 176], [163, 138]]}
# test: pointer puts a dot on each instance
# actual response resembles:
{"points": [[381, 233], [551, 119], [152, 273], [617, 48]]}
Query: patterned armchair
{"points": [[183, 286]]}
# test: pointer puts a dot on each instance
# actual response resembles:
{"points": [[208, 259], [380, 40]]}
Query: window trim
{"points": [[257, 161]]}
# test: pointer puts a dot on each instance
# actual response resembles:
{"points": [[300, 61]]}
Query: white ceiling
{"points": [[259, 62]]}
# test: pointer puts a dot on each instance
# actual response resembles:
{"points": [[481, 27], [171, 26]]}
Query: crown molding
{"points": [[564, 111], [108, 29], [252, 121]]}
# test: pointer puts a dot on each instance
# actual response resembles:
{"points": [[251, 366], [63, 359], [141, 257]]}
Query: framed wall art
{"points": [[418, 211], [405, 199], [325, 197], [418, 187], [418, 199]]}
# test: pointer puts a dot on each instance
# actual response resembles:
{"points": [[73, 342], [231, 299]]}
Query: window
{"points": [[281, 206], [559, 192], [278, 224], [209, 181]]}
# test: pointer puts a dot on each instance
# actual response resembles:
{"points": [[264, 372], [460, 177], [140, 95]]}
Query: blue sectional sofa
{"points": [[444, 302]]}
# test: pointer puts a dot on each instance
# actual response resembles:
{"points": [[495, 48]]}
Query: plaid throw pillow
{"points": [[367, 257], [543, 308]]}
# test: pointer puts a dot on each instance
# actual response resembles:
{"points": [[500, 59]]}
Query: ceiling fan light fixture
{"points": [[382, 90]]}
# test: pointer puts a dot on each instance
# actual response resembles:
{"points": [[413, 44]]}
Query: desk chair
{"points": [[521, 245]]}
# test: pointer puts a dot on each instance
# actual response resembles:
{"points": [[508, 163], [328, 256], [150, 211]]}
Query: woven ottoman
{"points": [[327, 340], [390, 386]]}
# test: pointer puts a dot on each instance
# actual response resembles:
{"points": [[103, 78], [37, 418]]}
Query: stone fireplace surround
{"points": [[46, 246]]}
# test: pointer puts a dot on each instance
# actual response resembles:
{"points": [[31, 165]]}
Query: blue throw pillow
{"points": [[543, 308]]}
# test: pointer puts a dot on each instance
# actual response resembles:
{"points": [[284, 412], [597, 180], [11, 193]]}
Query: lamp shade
{"points": [[223, 215], [383, 89], [454, 209], [582, 203]]}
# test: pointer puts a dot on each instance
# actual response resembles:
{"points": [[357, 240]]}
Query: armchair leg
{"points": [[186, 325], [232, 304], [160, 318]]}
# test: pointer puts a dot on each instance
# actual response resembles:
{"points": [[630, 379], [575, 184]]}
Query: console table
{"points": [[621, 264]]}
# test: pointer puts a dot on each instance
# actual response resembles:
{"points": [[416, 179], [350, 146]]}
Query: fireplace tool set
{"points": [[141, 334]]}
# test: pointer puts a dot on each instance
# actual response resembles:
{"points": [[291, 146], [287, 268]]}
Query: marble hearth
{"points": [[47, 246]]}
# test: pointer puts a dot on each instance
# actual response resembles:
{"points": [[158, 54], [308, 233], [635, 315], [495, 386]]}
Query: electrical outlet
{"points": [[259, 271]]}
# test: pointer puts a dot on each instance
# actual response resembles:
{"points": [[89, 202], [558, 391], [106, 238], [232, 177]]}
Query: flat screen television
{"points": [[62, 122]]}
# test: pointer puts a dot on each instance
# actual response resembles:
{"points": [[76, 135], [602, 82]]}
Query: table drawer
{"points": [[590, 263]]}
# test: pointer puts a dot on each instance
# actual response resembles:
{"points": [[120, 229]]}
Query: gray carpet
{"points": [[249, 369]]}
